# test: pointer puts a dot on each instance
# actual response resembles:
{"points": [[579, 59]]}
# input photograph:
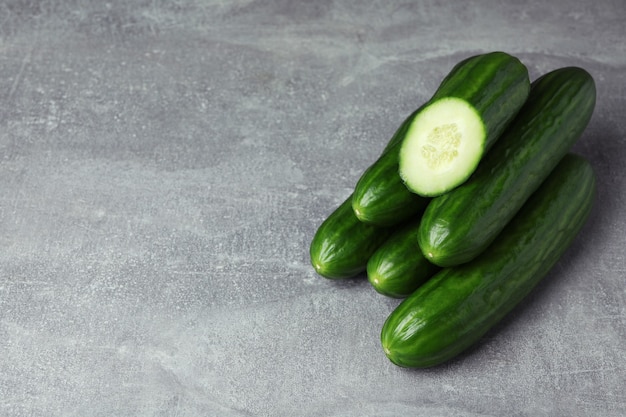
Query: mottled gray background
{"points": [[164, 165]]}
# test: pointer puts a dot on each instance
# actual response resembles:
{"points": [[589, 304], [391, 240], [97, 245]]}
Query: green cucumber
{"points": [[398, 268], [457, 306], [459, 225], [342, 244], [380, 196], [464, 118]]}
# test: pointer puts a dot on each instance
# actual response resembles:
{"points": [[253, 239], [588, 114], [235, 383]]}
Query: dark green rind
{"points": [[398, 268], [496, 84], [459, 225], [380, 196], [456, 307], [342, 244]]}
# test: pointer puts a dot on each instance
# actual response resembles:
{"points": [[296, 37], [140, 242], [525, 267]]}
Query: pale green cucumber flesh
{"points": [[442, 147]]}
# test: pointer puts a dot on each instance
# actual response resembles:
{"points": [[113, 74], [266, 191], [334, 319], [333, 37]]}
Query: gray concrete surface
{"points": [[163, 168]]}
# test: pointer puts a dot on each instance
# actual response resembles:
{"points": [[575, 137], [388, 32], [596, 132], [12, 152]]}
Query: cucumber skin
{"points": [[497, 85], [342, 244], [380, 197], [456, 307], [459, 225], [398, 268]]}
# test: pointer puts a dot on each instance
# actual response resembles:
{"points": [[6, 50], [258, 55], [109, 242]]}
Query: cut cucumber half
{"points": [[443, 146], [467, 114], [460, 225]]}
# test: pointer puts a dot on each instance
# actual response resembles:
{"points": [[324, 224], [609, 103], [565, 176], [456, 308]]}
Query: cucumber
{"points": [[469, 111], [459, 225], [342, 244], [380, 196], [457, 306], [398, 268]]}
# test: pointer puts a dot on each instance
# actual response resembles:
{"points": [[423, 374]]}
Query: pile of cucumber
{"points": [[473, 200]]}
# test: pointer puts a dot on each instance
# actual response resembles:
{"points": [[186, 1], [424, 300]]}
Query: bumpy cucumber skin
{"points": [[342, 244], [380, 196], [398, 268], [496, 85], [456, 307], [459, 225]]}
